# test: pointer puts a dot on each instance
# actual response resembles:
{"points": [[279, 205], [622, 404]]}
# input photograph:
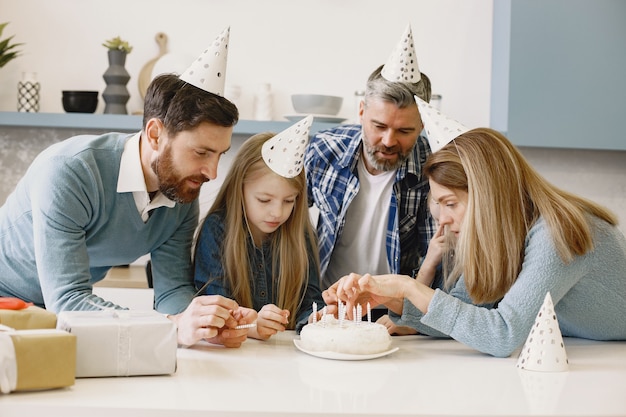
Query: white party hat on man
{"points": [[544, 349], [401, 66], [284, 153], [208, 71], [440, 129]]}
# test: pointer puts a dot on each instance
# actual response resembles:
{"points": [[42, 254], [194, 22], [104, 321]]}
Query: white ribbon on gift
{"points": [[124, 347], [8, 361], [124, 351]]}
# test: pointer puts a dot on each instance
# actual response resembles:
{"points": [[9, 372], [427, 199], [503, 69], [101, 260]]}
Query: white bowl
{"points": [[316, 104]]}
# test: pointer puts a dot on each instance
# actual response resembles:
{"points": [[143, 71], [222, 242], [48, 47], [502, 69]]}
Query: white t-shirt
{"points": [[361, 248]]}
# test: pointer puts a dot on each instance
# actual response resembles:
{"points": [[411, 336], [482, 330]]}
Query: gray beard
{"points": [[383, 165]]}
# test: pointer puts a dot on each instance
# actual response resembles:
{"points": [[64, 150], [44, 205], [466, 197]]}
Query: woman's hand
{"points": [[433, 258], [375, 289], [394, 329]]}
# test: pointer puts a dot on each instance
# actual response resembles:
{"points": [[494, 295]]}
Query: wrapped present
{"points": [[20, 315], [121, 342], [36, 359]]}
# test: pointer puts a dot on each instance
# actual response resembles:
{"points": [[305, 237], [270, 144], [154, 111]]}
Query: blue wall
{"points": [[559, 73]]}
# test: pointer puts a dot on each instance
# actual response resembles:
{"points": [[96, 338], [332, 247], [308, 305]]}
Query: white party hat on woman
{"points": [[440, 129], [544, 349], [208, 71], [284, 153], [401, 66]]}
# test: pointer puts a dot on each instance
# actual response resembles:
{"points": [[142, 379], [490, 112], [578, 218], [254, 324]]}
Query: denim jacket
{"points": [[209, 267]]}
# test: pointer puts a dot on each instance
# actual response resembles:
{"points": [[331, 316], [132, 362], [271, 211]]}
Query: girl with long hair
{"points": [[257, 245]]}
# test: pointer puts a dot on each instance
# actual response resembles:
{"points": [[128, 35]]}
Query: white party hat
{"points": [[208, 71], [284, 153], [440, 129], [544, 349], [402, 64]]}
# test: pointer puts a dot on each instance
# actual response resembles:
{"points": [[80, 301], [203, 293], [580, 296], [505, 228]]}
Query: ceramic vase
{"points": [[116, 94], [28, 93]]}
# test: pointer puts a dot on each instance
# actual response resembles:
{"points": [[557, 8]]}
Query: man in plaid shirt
{"points": [[366, 180]]}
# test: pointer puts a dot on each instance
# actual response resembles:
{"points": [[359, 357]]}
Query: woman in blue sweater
{"points": [[518, 237]]}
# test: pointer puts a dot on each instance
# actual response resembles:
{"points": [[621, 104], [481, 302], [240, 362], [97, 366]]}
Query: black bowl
{"points": [[80, 101]]}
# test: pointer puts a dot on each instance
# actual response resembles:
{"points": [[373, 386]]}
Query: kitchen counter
{"points": [[425, 377], [132, 276]]}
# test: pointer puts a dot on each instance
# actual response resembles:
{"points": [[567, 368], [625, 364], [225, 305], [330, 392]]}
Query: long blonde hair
{"points": [[293, 244], [506, 196]]}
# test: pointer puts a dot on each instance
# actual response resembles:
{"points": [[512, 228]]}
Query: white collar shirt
{"points": [[132, 180]]}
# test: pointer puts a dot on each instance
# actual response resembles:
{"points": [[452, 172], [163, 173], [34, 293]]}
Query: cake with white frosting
{"points": [[345, 336]]}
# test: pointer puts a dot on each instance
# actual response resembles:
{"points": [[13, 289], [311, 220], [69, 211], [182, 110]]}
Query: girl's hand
{"points": [[270, 321], [231, 337]]}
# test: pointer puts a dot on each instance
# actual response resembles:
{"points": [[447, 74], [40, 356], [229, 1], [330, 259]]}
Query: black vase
{"points": [[116, 94]]}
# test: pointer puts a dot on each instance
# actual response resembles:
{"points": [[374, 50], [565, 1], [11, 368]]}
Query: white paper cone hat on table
{"points": [[544, 349], [208, 71], [440, 129], [401, 66], [284, 153]]}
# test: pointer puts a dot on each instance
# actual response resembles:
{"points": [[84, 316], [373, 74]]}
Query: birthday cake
{"points": [[345, 336]]}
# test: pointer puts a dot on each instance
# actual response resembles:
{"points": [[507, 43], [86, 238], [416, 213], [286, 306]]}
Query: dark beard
{"points": [[170, 183]]}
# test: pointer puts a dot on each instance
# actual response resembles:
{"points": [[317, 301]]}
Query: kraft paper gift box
{"points": [[121, 342], [36, 359], [32, 317]]}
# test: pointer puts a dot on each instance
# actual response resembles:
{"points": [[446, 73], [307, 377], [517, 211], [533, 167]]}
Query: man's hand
{"points": [[203, 318]]}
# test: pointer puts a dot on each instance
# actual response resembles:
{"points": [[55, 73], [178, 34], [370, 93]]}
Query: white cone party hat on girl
{"points": [[544, 349], [440, 129], [401, 66], [208, 71], [284, 153]]}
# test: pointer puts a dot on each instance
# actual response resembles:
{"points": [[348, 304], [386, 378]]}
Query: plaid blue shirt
{"points": [[331, 166]]}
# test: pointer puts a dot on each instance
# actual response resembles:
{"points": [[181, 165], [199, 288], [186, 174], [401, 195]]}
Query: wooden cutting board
{"points": [[145, 75]]}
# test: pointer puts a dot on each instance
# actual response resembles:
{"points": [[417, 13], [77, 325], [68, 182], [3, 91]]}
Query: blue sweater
{"points": [[589, 294], [65, 225]]}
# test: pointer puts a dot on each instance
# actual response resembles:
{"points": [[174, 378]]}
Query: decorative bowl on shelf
{"points": [[80, 101], [316, 104]]}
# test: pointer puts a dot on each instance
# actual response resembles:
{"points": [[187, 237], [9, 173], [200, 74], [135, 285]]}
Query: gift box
{"points": [[36, 359], [32, 317], [121, 342]]}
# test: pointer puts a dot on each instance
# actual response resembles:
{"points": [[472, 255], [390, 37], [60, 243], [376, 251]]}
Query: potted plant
{"points": [[7, 49], [118, 44], [116, 94]]}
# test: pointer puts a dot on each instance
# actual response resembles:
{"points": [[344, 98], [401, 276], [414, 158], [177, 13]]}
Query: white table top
{"points": [[425, 376]]}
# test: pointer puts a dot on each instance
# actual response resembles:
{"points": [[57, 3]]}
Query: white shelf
{"points": [[122, 122]]}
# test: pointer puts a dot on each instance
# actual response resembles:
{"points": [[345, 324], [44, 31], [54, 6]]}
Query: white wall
{"points": [[317, 46]]}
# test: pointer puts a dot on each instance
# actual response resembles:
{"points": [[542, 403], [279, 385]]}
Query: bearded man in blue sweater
{"points": [[91, 202]]}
